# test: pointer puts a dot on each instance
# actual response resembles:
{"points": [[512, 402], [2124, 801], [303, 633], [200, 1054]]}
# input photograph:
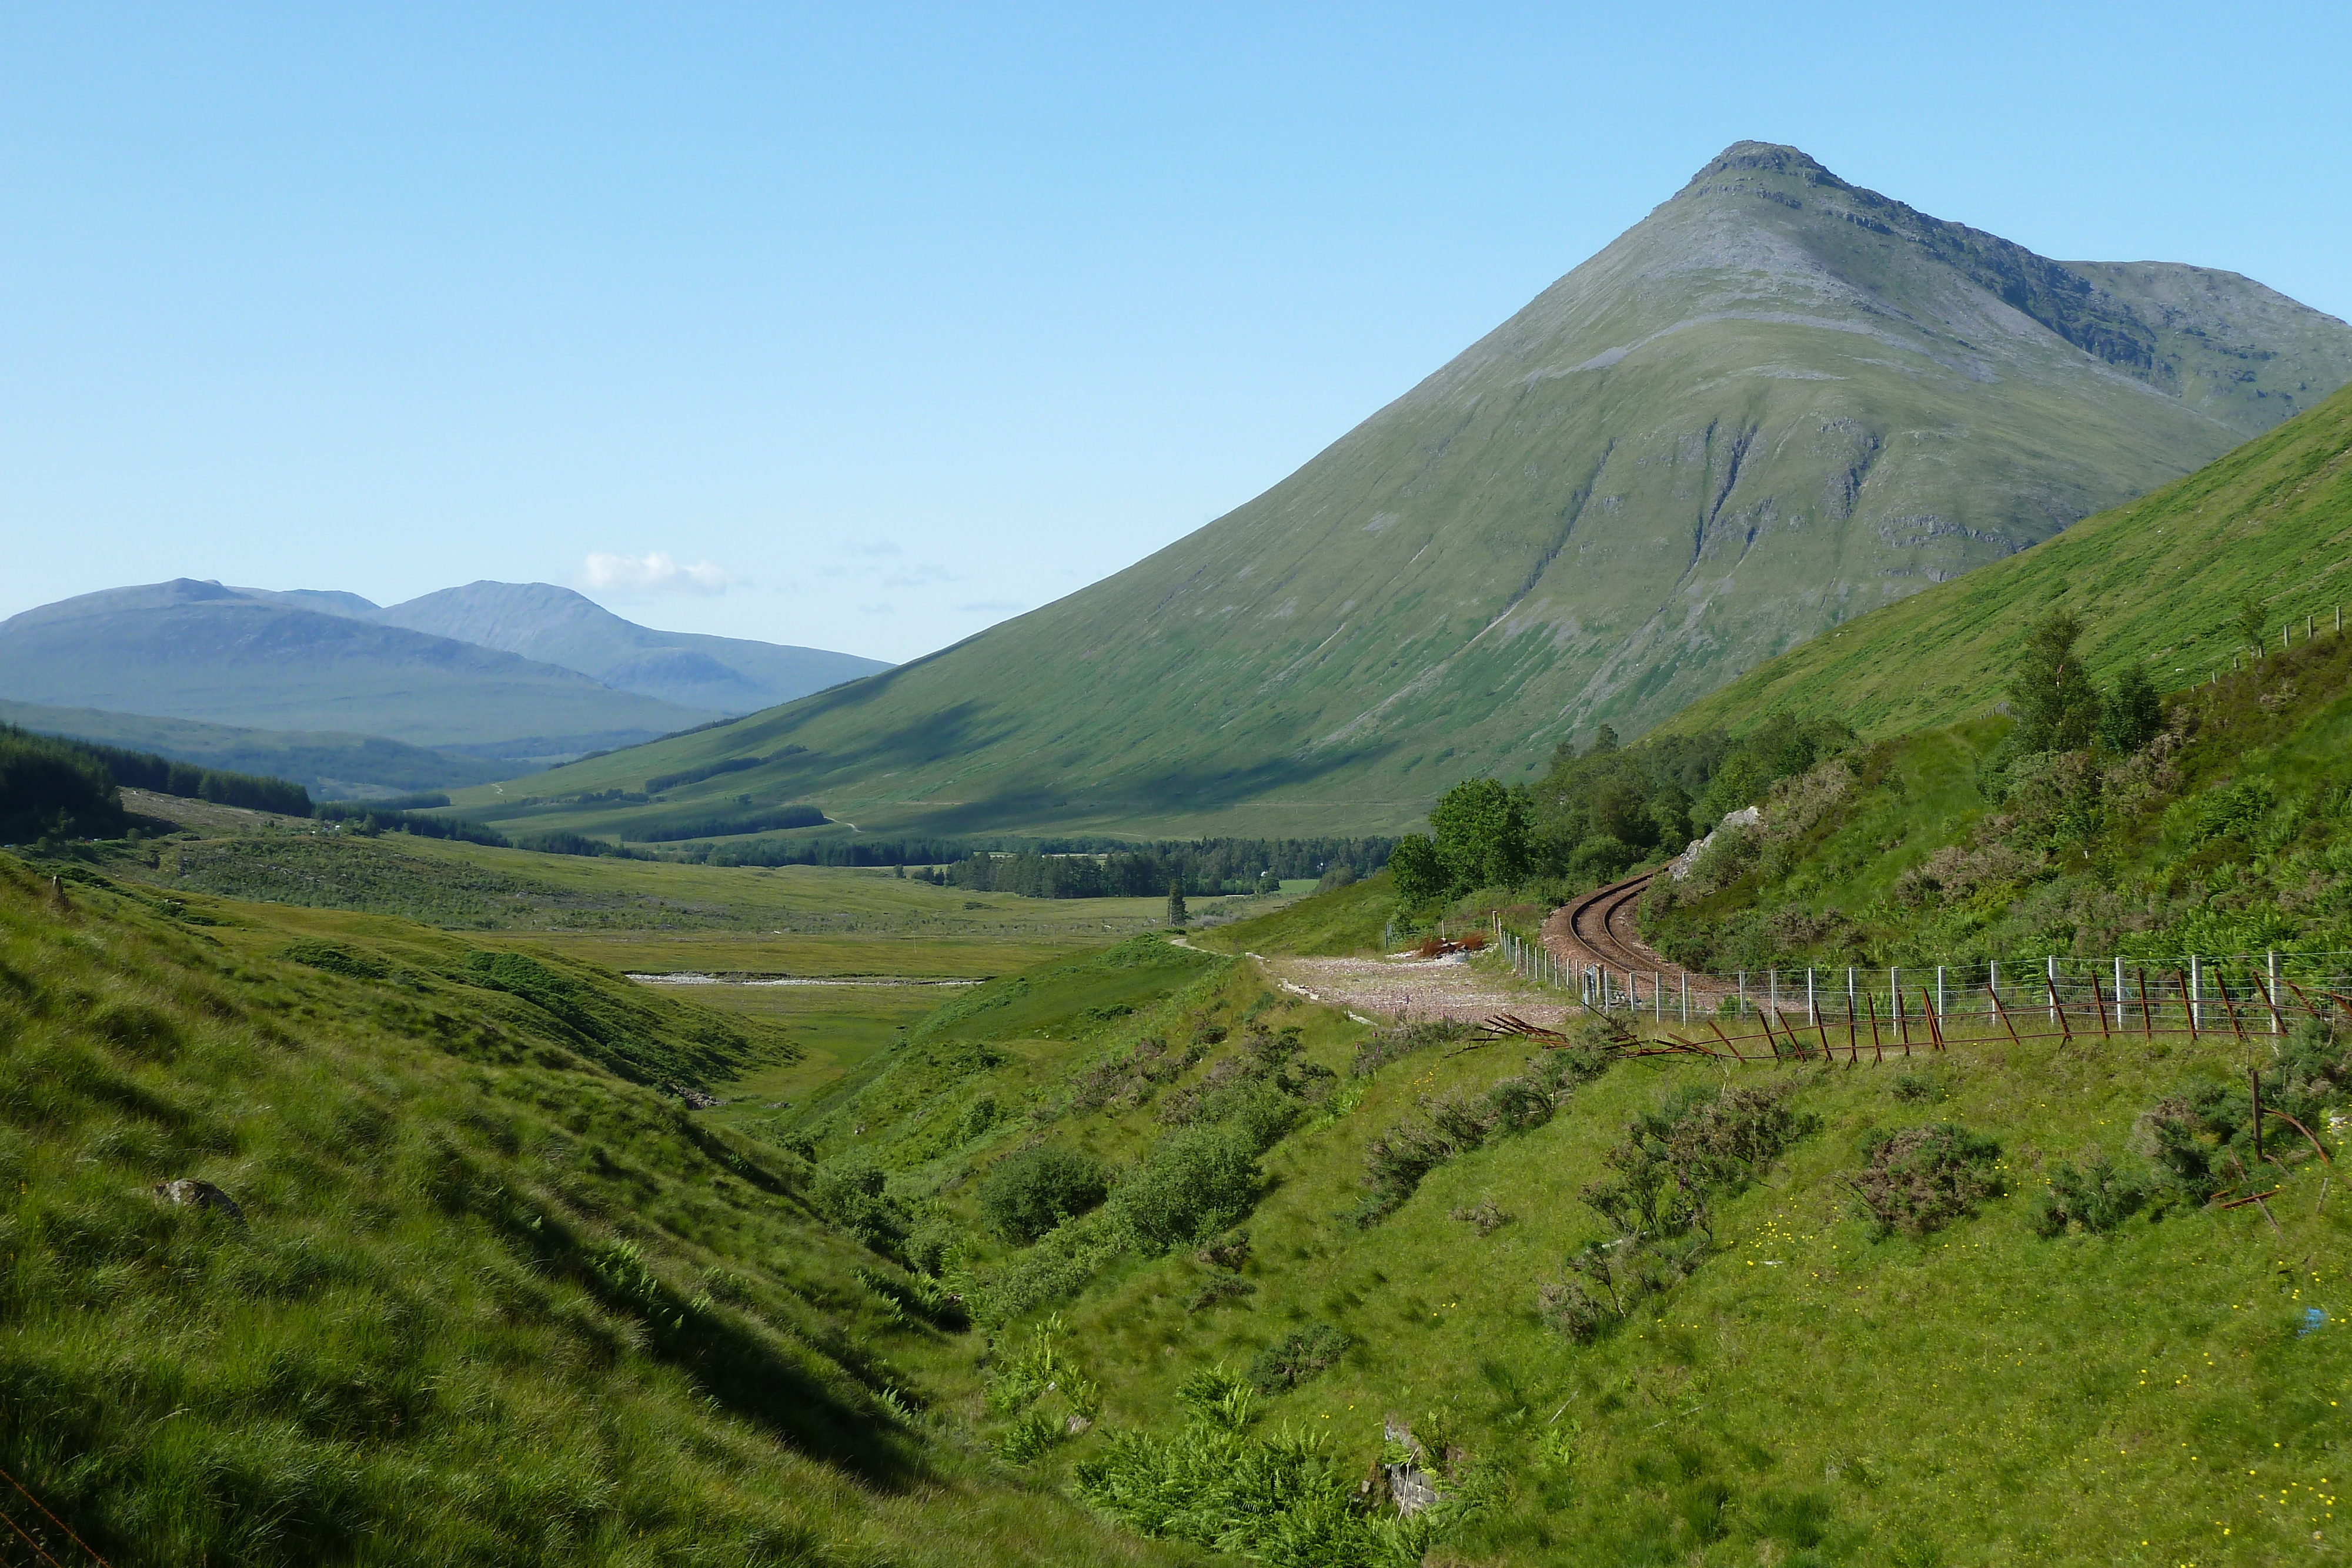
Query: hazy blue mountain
{"points": [[557, 626], [188, 650]]}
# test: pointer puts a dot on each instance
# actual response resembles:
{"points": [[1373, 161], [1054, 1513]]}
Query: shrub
{"points": [[1483, 1216], [1453, 1125], [1199, 1180], [1389, 1045], [978, 1118], [336, 959], [1295, 1357], [1672, 1161], [1228, 1252], [2094, 1196], [1922, 1178], [1032, 1191], [847, 1190], [1221, 1288]]}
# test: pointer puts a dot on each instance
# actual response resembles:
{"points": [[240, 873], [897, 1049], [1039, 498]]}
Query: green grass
{"points": [[590, 898], [2158, 579], [490, 1301], [1625, 497], [436, 1281], [1809, 1394], [1348, 920]]}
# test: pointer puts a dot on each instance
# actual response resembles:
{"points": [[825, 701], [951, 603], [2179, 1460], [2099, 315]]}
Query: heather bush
{"points": [[1029, 1192], [1922, 1178]]}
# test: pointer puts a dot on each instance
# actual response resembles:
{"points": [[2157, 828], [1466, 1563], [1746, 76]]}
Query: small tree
{"points": [[1481, 832], [2248, 623], [2057, 707], [1176, 915], [2132, 713], [1421, 876]]}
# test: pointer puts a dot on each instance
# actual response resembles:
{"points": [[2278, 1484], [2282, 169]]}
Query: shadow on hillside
{"points": [[1172, 792], [746, 1368]]}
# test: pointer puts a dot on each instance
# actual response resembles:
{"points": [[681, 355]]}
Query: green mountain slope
{"points": [[557, 626], [331, 766], [2160, 578], [198, 650], [487, 1295], [1777, 403]]}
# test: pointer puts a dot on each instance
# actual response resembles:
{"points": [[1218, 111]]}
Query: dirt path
{"points": [[1404, 989]]}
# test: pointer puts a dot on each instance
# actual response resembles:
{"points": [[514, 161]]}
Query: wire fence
{"points": [[1820, 1011]]}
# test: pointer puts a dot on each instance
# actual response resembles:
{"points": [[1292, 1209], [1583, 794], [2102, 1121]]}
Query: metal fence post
{"points": [[2196, 994], [1685, 995], [1939, 993], [2273, 998], [1992, 983], [1775, 992], [2053, 987], [1812, 1002], [2120, 993]]}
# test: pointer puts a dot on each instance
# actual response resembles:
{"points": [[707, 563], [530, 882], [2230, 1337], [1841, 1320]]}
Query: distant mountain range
{"points": [[1777, 403], [508, 675]]}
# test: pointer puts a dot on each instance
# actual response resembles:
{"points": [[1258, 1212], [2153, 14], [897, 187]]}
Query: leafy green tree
{"points": [[1481, 832], [1421, 876], [2248, 623], [2133, 713], [2055, 704]]}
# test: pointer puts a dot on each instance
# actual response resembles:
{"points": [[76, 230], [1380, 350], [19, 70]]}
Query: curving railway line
{"points": [[1602, 927]]}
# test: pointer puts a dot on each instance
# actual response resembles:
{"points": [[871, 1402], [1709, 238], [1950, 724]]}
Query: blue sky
{"points": [[865, 326]]}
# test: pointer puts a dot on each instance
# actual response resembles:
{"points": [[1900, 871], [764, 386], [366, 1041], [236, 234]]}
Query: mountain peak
{"points": [[1736, 164]]}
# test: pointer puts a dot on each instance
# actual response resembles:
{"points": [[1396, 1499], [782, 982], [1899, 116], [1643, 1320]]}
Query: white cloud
{"points": [[877, 609], [655, 572], [918, 576]]}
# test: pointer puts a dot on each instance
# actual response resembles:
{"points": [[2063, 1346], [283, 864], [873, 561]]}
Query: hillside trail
{"points": [[1598, 928]]}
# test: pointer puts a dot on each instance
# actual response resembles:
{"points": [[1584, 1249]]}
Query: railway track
{"points": [[1602, 927]]}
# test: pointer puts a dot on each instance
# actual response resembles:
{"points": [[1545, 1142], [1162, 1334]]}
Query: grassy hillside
{"points": [[331, 766], [1803, 1385], [2159, 579], [1776, 403], [486, 1294], [2229, 834]]}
